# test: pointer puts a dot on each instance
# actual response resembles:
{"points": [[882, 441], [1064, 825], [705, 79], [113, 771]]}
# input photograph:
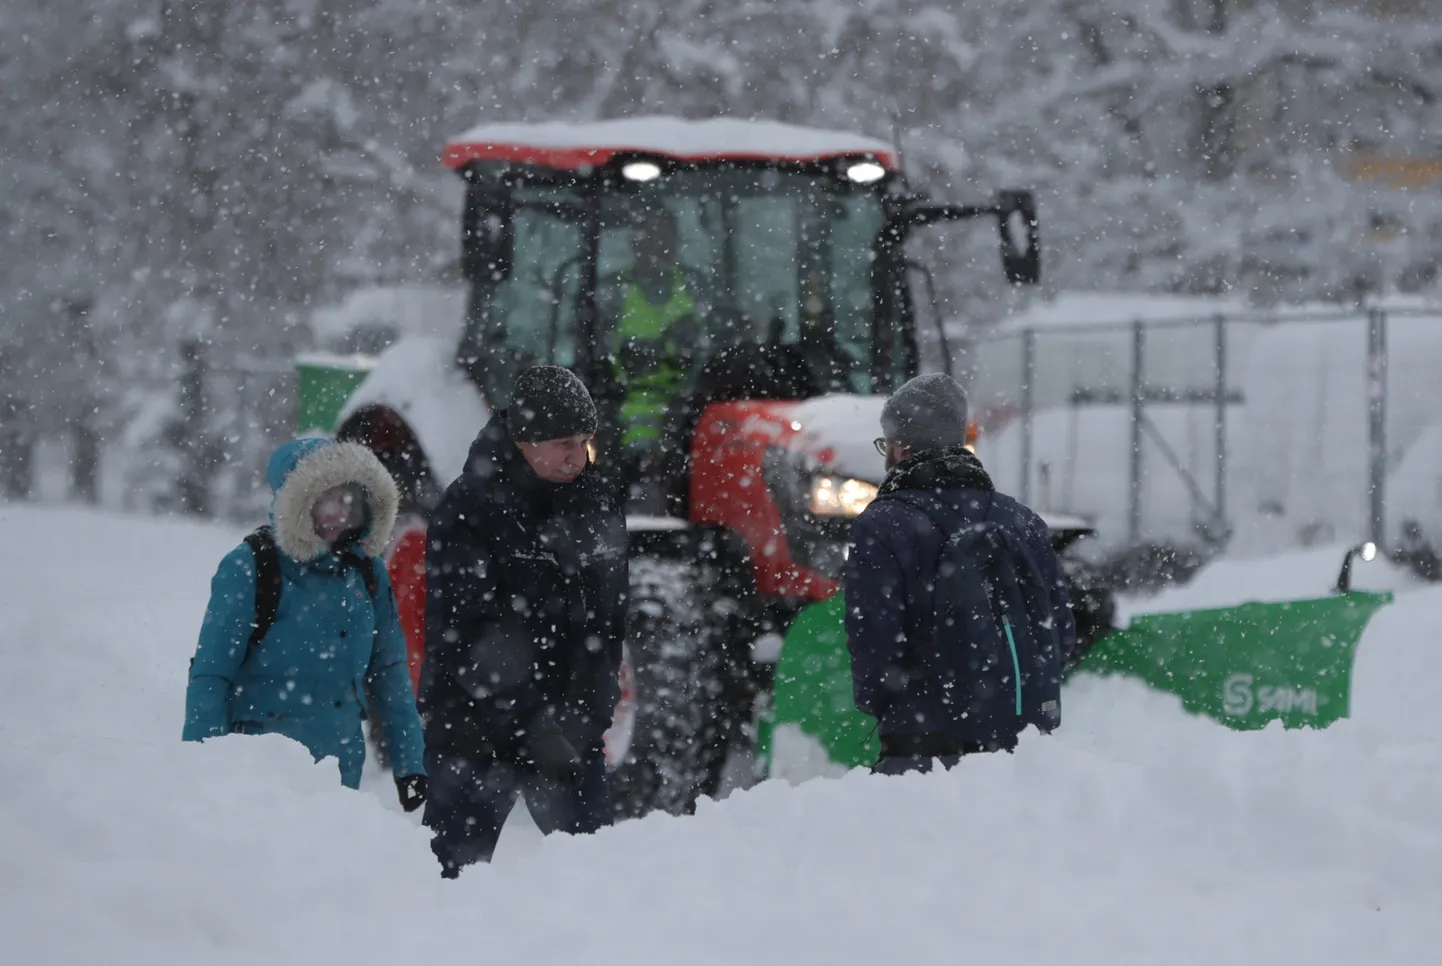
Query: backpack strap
{"points": [[261, 541], [267, 583], [365, 566]]}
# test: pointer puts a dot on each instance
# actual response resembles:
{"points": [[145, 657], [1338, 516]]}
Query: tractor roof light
{"points": [[640, 171], [865, 172]]}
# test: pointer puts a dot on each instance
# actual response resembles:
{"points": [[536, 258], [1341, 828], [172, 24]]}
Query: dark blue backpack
{"points": [[993, 649]]}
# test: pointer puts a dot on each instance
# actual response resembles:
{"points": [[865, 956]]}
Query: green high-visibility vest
{"points": [[648, 393]]}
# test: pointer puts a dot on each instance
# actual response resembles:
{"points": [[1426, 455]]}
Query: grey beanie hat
{"points": [[549, 402], [928, 412]]}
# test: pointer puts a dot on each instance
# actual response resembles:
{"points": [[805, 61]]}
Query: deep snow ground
{"points": [[1137, 835]]}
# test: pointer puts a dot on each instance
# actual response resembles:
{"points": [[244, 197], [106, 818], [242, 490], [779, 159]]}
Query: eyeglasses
{"points": [[880, 443]]}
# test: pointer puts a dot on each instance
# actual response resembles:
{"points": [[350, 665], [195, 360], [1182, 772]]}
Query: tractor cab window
{"points": [[530, 318], [760, 274], [699, 262]]}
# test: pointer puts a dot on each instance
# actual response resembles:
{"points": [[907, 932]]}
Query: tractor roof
{"points": [[573, 146]]}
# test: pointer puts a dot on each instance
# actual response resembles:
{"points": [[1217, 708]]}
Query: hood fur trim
{"points": [[329, 466]]}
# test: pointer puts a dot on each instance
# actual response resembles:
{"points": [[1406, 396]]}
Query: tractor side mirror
{"points": [[1015, 214], [1367, 551], [488, 237], [1020, 237]]}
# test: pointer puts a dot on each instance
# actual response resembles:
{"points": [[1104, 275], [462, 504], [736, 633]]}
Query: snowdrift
{"points": [[1139, 835]]}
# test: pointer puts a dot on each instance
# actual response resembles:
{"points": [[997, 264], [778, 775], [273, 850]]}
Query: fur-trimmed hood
{"points": [[301, 470]]}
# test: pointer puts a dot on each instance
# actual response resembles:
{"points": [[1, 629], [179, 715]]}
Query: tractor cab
{"points": [[674, 264]]}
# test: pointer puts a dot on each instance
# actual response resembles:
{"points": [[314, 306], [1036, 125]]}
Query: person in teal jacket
{"points": [[331, 644]]}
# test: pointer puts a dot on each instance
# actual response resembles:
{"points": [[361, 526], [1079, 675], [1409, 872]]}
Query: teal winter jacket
{"points": [[330, 648]]}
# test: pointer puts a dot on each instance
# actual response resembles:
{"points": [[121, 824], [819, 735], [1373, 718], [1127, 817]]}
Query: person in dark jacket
{"points": [[526, 581], [892, 568], [332, 642]]}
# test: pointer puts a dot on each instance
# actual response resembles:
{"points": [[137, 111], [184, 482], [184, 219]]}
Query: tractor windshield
{"points": [[735, 256], [707, 259]]}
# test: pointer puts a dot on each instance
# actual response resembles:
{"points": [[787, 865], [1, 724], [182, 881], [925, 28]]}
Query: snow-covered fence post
{"points": [[1139, 389], [1377, 421], [1028, 405], [1219, 501]]}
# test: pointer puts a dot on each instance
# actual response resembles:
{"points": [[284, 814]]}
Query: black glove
{"points": [[546, 749], [412, 790]]}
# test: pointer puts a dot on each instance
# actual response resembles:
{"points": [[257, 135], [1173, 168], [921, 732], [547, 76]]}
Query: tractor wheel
{"points": [[662, 745]]}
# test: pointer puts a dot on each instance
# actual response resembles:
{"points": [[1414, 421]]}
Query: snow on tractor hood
{"points": [[418, 379], [839, 432]]}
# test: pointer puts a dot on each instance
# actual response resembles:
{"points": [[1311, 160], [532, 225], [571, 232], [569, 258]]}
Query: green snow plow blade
{"points": [[1248, 665], [812, 689], [1244, 666]]}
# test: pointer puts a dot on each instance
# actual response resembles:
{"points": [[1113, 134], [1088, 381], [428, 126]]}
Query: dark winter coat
{"points": [[891, 569], [526, 587], [330, 644]]}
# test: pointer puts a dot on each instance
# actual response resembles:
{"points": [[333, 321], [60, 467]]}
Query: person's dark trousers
{"points": [[897, 765], [468, 803], [916, 753]]}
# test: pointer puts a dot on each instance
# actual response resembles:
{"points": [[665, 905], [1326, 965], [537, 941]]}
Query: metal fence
{"points": [[1204, 429]]}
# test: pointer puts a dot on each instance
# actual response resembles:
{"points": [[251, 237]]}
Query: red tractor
{"points": [[761, 269]]}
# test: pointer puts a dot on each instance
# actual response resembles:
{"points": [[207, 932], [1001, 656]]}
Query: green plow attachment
{"points": [[1243, 666], [1251, 664], [812, 689]]}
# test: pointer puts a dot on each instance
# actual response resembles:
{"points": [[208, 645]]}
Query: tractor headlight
{"points": [[833, 496]]}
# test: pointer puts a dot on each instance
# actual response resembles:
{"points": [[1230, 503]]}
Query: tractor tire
{"points": [[675, 665]]}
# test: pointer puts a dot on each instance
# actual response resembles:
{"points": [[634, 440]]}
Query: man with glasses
{"points": [[958, 616]]}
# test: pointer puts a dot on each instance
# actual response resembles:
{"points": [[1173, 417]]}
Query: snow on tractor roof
{"points": [[570, 146]]}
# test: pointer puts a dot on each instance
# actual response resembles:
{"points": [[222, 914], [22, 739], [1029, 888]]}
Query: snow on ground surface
{"points": [[1294, 575], [1136, 835]]}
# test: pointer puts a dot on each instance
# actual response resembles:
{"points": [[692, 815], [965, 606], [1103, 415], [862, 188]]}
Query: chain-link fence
{"points": [[1257, 430]]}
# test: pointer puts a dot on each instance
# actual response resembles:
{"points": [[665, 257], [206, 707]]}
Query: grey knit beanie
{"points": [[549, 402], [928, 412]]}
